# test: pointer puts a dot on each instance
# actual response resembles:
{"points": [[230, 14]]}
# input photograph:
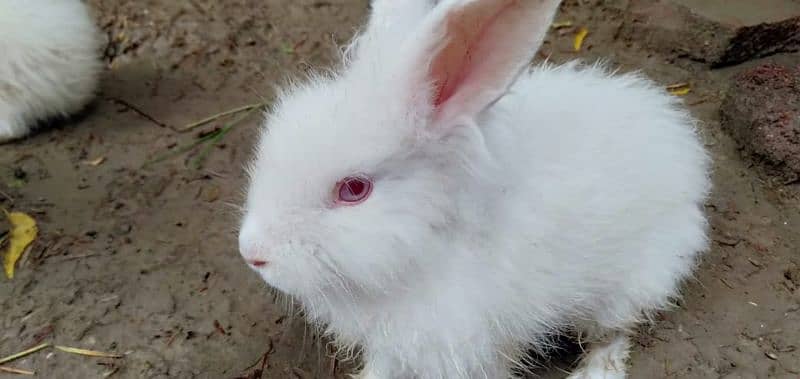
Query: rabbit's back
{"points": [[605, 204]]}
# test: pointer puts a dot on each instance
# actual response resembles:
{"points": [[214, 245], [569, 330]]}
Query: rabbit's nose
{"points": [[252, 256], [249, 246], [257, 262]]}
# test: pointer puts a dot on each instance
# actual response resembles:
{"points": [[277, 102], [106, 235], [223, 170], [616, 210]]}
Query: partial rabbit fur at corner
{"points": [[49, 62], [507, 204]]}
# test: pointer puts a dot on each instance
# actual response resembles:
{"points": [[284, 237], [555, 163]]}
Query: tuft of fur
{"points": [[49, 65], [526, 204]]}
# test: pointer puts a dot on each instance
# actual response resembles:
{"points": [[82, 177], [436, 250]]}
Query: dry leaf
{"points": [[211, 194], [679, 89], [89, 353], [582, 33], [96, 162], [23, 232], [561, 24], [16, 371]]}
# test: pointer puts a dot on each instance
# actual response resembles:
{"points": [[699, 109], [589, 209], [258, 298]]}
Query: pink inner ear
{"points": [[465, 31]]}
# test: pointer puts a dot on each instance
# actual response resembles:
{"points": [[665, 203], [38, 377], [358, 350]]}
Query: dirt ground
{"points": [[142, 260]]}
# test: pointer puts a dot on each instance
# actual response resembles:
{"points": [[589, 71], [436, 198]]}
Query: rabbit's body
{"points": [[49, 63], [560, 238], [492, 217]]}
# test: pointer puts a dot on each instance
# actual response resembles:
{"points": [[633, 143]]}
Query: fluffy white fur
{"points": [[500, 216], [49, 63]]}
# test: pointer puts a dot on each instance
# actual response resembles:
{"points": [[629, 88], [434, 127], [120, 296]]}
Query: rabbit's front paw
{"points": [[9, 131], [596, 373], [366, 374], [604, 360]]}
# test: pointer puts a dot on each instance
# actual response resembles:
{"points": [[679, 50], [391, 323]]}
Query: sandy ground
{"points": [[142, 260]]}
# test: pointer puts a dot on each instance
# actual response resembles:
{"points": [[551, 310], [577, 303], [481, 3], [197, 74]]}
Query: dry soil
{"points": [[142, 259]]}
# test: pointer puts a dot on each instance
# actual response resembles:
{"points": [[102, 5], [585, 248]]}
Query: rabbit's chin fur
{"points": [[49, 65], [574, 202]]}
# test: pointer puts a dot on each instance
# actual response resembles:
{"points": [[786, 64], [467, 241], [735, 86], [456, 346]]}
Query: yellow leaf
{"points": [[576, 45], [23, 232], [90, 353], [679, 89], [561, 24]]}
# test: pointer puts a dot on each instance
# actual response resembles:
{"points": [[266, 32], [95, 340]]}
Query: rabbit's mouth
{"points": [[294, 269]]}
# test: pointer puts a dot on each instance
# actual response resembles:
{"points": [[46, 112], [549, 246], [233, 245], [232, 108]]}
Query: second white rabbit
{"points": [[49, 62]]}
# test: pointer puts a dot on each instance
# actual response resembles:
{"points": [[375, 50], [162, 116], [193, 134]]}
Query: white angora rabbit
{"points": [[442, 207]]}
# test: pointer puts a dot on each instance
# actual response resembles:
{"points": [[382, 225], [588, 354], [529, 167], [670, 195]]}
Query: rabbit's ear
{"points": [[475, 49]]}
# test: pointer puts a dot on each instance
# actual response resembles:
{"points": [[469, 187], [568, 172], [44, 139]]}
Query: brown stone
{"points": [[718, 32], [762, 112]]}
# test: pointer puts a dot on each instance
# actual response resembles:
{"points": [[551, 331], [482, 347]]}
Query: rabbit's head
{"points": [[363, 178]]}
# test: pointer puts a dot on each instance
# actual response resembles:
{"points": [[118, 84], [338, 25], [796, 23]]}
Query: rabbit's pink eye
{"points": [[353, 190]]}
